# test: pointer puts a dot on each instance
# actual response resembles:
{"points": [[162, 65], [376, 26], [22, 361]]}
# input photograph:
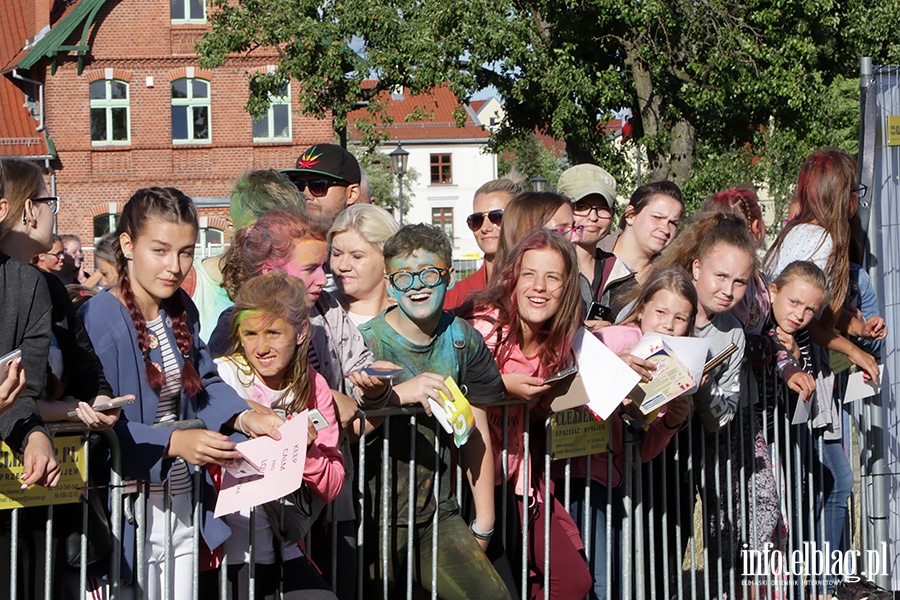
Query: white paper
{"points": [[607, 379], [857, 388], [801, 412], [281, 463], [692, 352]]}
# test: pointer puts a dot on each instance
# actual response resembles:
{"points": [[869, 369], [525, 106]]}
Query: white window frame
{"points": [[204, 248], [282, 100], [187, 6], [113, 221], [108, 104], [190, 103]]}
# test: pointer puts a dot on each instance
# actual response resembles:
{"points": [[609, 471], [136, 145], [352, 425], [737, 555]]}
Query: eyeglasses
{"points": [[61, 255], [861, 190], [51, 201], [316, 187], [583, 209], [429, 276], [572, 233], [476, 220]]}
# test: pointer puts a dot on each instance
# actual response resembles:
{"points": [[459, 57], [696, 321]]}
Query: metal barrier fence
{"points": [[698, 521]]}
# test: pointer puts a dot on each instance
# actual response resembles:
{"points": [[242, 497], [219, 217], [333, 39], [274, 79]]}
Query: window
{"points": [[188, 11], [210, 242], [110, 119], [103, 224], [276, 125], [190, 110], [440, 169], [443, 218]]}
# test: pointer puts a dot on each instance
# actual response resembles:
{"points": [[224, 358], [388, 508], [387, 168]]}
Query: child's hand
{"points": [[311, 435], [420, 388], [641, 366], [524, 386], [201, 447], [596, 324], [678, 411], [787, 340], [12, 386], [256, 424], [866, 362], [372, 386], [40, 464], [800, 381], [875, 329]]}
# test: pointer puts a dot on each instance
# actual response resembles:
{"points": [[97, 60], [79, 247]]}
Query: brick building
{"points": [[109, 96]]}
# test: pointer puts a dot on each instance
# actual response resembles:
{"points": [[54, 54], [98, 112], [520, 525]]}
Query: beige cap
{"points": [[584, 180]]}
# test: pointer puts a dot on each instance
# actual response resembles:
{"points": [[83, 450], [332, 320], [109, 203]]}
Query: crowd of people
{"points": [[322, 301]]}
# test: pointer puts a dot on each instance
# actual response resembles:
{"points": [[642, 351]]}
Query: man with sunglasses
{"points": [[328, 176], [592, 191], [484, 222]]}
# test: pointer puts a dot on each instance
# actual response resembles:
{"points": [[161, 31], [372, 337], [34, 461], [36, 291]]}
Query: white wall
{"points": [[470, 169]]}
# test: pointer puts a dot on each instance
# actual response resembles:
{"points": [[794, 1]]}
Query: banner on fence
{"points": [[72, 483], [577, 432]]}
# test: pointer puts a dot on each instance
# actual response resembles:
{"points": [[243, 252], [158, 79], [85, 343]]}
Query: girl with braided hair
{"points": [[145, 331]]}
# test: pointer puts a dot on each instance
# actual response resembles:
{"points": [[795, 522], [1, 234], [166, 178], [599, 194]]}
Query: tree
{"points": [[720, 90], [382, 181]]}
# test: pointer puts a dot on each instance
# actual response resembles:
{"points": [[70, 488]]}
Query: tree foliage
{"points": [[721, 91], [383, 185]]}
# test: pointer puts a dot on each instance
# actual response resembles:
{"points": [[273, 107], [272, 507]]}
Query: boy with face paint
{"points": [[431, 344]]}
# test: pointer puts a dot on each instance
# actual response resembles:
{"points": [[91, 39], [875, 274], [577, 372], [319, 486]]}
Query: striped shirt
{"points": [[169, 397]]}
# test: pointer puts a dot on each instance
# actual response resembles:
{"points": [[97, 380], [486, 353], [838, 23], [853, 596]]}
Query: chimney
{"points": [[39, 15]]}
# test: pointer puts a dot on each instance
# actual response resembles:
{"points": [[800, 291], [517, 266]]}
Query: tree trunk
{"points": [[649, 112], [681, 154]]}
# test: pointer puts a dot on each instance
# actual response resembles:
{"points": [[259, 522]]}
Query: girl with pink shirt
{"points": [[529, 317], [667, 304], [268, 366]]}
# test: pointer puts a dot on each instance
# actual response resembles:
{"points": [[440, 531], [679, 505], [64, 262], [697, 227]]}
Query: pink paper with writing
{"points": [[281, 464]]}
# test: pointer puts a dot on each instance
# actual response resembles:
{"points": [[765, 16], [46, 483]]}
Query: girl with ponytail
{"points": [[145, 331]]}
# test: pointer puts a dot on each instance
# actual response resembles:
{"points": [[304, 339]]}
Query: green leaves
{"points": [[722, 91]]}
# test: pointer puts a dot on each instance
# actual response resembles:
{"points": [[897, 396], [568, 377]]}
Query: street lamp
{"points": [[399, 157], [538, 184]]}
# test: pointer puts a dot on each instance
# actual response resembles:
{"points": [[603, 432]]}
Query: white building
{"points": [[450, 160]]}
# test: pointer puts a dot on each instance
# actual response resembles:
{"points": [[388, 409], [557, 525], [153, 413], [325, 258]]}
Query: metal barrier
{"points": [[687, 524]]}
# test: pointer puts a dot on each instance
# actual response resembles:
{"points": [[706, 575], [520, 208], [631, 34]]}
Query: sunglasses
{"points": [[316, 187], [52, 203], [476, 220], [430, 277]]}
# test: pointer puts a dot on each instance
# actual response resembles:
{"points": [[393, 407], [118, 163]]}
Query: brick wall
{"points": [[134, 40]]}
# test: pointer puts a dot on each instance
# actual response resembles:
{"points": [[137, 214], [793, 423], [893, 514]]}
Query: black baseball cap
{"points": [[329, 160]]}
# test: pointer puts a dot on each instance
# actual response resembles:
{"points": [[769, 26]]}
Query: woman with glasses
{"points": [[51, 261], [485, 222], [647, 226], [593, 194], [356, 242], [75, 380]]}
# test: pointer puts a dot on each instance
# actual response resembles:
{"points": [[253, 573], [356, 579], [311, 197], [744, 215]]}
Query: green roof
{"points": [[52, 44]]}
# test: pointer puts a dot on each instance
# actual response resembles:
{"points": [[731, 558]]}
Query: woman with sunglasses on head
{"points": [[485, 222]]}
